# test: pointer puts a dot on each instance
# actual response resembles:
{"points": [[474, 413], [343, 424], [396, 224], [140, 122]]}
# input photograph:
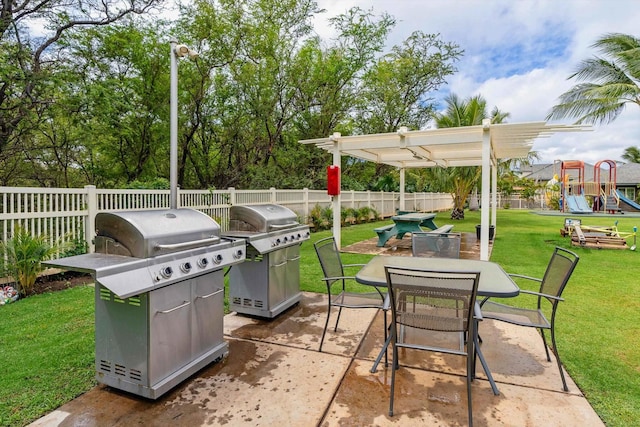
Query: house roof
{"points": [[626, 173]]}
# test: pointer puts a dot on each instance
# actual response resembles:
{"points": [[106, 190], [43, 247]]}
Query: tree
{"points": [[114, 105], [460, 181], [397, 90], [610, 82], [28, 60], [631, 154]]}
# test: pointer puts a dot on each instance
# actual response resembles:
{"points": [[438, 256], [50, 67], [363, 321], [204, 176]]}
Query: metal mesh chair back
{"points": [[432, 300], [441, 245], [329, 258], [558, 272], [552, 284], [336, 281]]}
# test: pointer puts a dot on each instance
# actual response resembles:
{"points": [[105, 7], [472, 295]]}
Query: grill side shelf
{"points": [[98, 264]]}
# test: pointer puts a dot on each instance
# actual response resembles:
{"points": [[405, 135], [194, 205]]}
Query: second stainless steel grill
{"points": [[268, 282]]}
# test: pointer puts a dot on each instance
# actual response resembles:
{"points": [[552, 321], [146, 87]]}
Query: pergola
{"points": [[483, 145]]}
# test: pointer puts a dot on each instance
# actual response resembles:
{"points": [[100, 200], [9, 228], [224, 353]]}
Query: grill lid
{"points": [[261, 218], [148, 233]]}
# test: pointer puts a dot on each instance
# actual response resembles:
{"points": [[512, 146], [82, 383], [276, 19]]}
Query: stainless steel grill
{"points": [[159, 296], [268, 282]]}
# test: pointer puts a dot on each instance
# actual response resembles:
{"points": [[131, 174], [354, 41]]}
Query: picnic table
{"points": [[408, 223]]}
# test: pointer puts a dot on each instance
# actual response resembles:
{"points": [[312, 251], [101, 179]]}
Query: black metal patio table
{"points": [[494, 282]]}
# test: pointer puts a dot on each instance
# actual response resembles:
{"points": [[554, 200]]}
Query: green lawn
{"points": [[46, 341]]}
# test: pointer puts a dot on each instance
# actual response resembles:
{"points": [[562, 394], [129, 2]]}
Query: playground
{"points": [[578, 196]]}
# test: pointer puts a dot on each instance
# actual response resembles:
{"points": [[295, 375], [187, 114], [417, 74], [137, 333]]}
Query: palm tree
{"points": [[460, 181], [610, 82], [631, 154]]}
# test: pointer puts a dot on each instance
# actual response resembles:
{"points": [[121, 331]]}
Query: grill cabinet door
{"points": [[277, 277], [293, 271], [208, 312], [170, 319]]}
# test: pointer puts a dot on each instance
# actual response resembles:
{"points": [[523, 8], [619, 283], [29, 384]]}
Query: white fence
{"points": [[68, 214]]}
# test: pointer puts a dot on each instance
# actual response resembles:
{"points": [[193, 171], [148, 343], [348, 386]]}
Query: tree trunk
{"points": [[457, 213]]}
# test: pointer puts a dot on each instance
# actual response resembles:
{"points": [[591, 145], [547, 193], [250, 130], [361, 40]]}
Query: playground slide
{"points": [[628, 204], [577, 204], [583, 205]]}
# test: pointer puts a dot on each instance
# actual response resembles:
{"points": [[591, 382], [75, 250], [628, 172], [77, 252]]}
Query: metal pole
{"points": [[173, 141]]}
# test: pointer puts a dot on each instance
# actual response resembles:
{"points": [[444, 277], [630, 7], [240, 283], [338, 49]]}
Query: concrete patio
{"points": [[274, 375]]}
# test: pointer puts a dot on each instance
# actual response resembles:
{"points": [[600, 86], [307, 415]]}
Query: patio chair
{"points": [[336, 281], [555, 278], [431, 244], [433, 301]]}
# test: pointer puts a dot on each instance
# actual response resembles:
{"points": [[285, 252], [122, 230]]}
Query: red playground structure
{"points": [[581, 197]]}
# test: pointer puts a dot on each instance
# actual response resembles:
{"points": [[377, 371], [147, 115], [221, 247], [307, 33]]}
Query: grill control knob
{"points": [[293, 237], [166, 272], [286, 239], [217, 259], [238, 254], [203, 262], [299, 236], [186, 267]]}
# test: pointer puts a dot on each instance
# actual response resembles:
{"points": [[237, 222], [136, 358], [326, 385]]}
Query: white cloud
{"points": [[519, 54]]}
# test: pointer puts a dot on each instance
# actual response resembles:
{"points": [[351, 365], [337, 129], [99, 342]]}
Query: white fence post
{"points": [[92, 211], [305, 204]]}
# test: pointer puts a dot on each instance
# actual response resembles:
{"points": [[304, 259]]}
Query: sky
{"points": [[518, 56]]}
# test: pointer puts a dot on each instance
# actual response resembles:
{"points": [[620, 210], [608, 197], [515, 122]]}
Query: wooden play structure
{"points": [[581, 197], [597, 237]]}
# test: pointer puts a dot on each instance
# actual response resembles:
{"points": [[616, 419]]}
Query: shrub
{"points": [[375, 214], [351, 215], [76, 246], [321, 218], [21, 257], [364, 214]]}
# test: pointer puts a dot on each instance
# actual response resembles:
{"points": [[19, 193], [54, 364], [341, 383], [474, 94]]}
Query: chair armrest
{"points": [[553, 297], [386, 304], [535, 279], [353, 265], [327, 279], [477, 311]]}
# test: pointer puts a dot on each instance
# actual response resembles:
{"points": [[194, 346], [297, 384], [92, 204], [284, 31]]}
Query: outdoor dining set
{"points": [[434, 291]]}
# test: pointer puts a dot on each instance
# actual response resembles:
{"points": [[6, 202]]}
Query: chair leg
{"points": [[555, 352], [324, 331], [393, 370], [386, 333], [469, 399], [337, 320], [546, 347], [477, 353]]}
